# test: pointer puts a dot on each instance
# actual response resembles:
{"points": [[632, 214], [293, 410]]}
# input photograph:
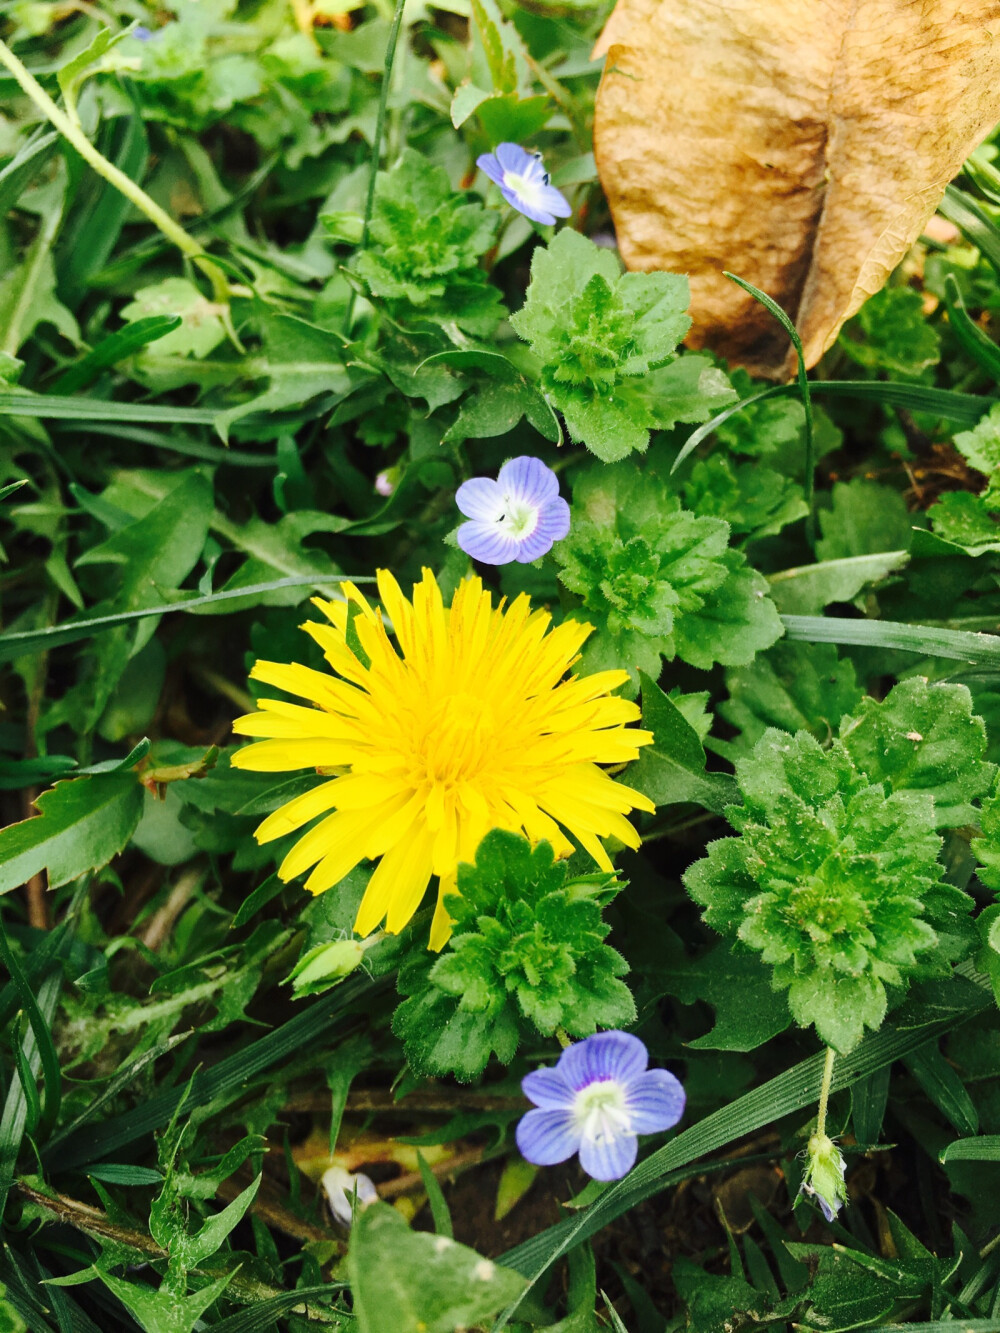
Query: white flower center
{"points": [[519, 518], [525, 187], [600, 1111]]}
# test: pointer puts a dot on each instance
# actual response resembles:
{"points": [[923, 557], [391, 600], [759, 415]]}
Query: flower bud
{"points": [[326, 964], [343, 1190], [823, 1179]]}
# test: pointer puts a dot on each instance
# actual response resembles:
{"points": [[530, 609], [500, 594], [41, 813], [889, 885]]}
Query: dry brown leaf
{"points": [[802, 144]]}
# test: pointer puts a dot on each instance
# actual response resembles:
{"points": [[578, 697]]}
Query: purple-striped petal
{"points": [[482, 499], [552, 527], [655, 1101], [548, 1089], [528, 480], [485, 542], [489, 166], [512, 157], [547, 1137], [528, 208], [610, 1156], [614, 1055]]}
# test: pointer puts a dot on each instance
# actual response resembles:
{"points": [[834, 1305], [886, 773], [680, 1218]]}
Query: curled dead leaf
{"points": [[802, 144]]}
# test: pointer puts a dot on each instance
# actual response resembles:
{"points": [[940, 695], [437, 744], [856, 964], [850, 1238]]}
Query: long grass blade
{"points": [[927, 640]]}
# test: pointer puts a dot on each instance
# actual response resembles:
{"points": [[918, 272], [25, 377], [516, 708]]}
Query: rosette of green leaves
{"points": [[425, 243], [527, 953], [657, 581], [608, 343], [835, 878]]}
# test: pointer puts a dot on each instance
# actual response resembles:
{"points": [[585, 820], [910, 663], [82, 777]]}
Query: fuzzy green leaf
{"points": [[412, 1282], [658, 581], [891, 332], [987, 847], [793, 686], [425, 244], [608, 344], [863, 519], [754, 500], [836, 883], [527, 949], [924, 738]]}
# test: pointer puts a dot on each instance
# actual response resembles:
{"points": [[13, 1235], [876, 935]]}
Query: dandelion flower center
{"points": [[469, 722]]}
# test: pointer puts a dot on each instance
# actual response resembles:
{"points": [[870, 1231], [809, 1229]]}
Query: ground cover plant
{"points": [[501, 811]]}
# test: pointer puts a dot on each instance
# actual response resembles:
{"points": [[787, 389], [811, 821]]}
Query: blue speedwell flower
{"points": [[516, 517], [524, 182], [594, 1102]]}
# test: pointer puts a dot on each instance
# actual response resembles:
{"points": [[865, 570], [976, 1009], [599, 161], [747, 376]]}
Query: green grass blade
{"points": [[790, 1091], [260, 1318], [972, 339], [928, 641], [22, 169], [984, 1148], [18, 643], [13, 1121], [50, 406], [43, 1037], [185, 444], [109, 351], [802, 376], [975, 225]]}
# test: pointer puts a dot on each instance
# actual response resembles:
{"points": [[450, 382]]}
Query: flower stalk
{"points": [[69, 128]]}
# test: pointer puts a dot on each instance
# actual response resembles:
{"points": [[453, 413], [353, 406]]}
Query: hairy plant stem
{"points": [[160, 218], [824, 1090], [383, 103]]}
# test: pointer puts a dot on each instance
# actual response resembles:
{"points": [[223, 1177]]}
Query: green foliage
{"points": [[863, 518], [80, 826], [526, 954], [427, 241], [794, 687], [607, 344], [189, 450], [658, 581], [417, 1283], [755, 500], [890, 333], [835, 878]]}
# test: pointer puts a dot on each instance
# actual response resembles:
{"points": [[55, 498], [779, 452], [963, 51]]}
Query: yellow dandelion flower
{"points": [[471, 725]]}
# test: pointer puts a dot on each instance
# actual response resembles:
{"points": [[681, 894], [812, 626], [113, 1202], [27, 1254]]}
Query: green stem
{"points": [[824, 1091], [383, 102], [187, 245]]}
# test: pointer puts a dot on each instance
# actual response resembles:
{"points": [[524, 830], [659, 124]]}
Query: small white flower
{"points": [[343, 1190]]}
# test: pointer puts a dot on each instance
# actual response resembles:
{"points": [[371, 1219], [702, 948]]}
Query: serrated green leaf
{"points": [[673, 768], [793, 686], [526, 954], [924, 738], [657, 580], [864, 518], [835, 883], [81, 825], [608, 344]]}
